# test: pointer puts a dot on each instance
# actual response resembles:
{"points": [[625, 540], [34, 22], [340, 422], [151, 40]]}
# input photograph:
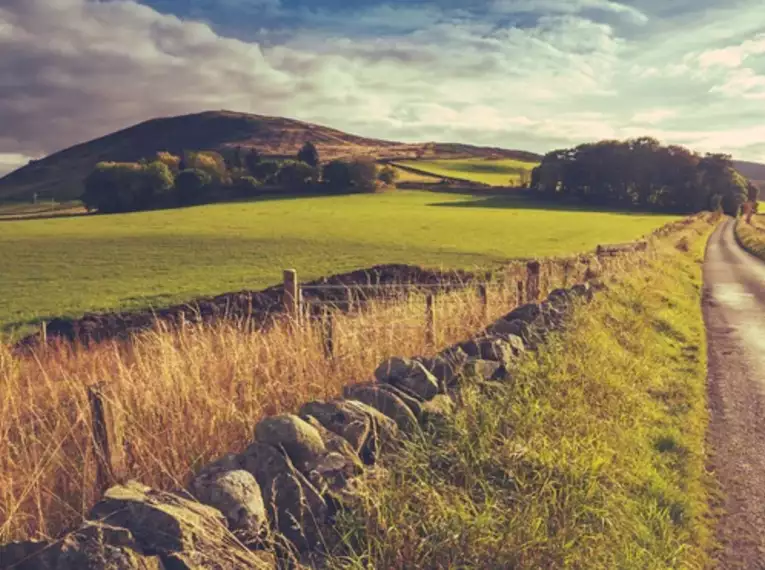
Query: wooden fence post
{"points": [[43, 333], [533, 269], [483, 295], [291, 297], [107, 444], [430, 320], [328, 332]]}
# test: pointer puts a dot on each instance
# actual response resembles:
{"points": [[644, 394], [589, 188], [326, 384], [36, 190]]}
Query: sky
{"points": [[528, 74]]}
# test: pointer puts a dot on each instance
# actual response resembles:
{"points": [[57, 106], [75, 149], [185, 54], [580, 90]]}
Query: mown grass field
{"points": [[504, 172], [68, 266], [592, 457]]}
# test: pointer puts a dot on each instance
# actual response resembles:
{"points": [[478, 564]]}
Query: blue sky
{"points": [[530, 74]]}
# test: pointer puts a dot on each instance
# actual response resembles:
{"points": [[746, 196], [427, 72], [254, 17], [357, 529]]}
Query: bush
{"points": [[296, 176], [388, 175], [192, 185], [358, 175]]}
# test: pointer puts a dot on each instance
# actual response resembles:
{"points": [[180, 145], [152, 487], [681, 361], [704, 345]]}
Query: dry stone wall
{"points": [[274, 504]]}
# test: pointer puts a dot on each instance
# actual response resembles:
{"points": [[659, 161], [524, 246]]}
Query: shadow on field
{"points": [[522, 202]]}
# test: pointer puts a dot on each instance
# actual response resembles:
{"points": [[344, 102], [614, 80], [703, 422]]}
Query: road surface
{"points": [[734, 311]]}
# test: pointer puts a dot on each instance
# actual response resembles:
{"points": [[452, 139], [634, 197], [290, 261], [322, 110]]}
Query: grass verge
{"points": [[593, 457], [752, 237]]}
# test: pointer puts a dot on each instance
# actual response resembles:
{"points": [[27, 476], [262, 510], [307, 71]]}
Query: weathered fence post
{"points": [[328, 332], [291, 298], [43, 333], [107, 444], [533, 269], [483, 295], [430, 320]]}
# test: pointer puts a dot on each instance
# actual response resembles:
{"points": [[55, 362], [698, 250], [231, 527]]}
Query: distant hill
{"points": [[60, 175], [754, 171]]}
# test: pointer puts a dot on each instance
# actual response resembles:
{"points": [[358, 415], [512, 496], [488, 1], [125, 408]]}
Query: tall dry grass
{"points": [[185, 396]]}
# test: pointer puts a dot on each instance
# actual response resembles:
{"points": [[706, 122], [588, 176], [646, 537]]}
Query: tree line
{"points": [[643, 174], [197, 177]]}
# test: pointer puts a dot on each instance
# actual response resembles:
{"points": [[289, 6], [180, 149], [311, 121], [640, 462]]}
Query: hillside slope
{"points": [[60, 175], [752, 170]]}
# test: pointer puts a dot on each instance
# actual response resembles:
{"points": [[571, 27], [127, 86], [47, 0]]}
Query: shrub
{"points": [[208, 161], [246, 186], [191, 185], [296, 176], [172, 161], [388, 175]]}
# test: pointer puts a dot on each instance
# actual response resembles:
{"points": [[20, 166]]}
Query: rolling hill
{"points": [[753, 171], [60, 175]]}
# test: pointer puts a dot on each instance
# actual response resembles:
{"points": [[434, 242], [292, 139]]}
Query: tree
{"points": [[172, 161], [296, 176], [251, 162], [388, 175], [127, 186], [266, 171], [309, 155], [191, 186], [358, 175], [209, 161]]}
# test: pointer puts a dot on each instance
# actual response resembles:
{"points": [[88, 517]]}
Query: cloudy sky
{"points": [[530, 74]]}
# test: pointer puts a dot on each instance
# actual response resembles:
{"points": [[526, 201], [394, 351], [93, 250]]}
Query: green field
{"points": [[68, 266], [504, 172]]}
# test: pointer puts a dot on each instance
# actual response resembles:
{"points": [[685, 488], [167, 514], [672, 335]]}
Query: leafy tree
{"points": [[296, 176], [252, 160], [309, 154], [191, 185], [266, 171], [127, 186], [358, 175], [388, 175], [209, 161], [172, 161]]}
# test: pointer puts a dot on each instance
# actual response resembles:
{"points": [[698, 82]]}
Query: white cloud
{"points": [[440, 75], [10, 161]]}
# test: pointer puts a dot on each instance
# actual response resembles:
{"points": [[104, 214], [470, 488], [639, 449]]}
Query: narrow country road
{"points": [[734, 310]]}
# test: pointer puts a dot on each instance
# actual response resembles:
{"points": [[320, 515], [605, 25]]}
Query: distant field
{"points": [[23, 210], [68, 266], [502, 172]]}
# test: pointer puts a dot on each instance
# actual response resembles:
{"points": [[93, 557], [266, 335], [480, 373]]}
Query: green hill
{"points": [[60, 175]]}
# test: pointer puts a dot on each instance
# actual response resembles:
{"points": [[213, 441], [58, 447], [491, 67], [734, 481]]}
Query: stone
{"points": [[170, 526], [495, 349], [343, 420], [294, 506], [301, 442], [411, 400], [526, 313], [333, 442], [409, 374], [386, 403], [560, 297], [481, 369], [445, 370], [585, 291], [94, 546], [237, 495], [384, 434]]}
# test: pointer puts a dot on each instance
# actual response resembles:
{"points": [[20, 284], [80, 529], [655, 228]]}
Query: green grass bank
{"points": [[593, 457]]}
